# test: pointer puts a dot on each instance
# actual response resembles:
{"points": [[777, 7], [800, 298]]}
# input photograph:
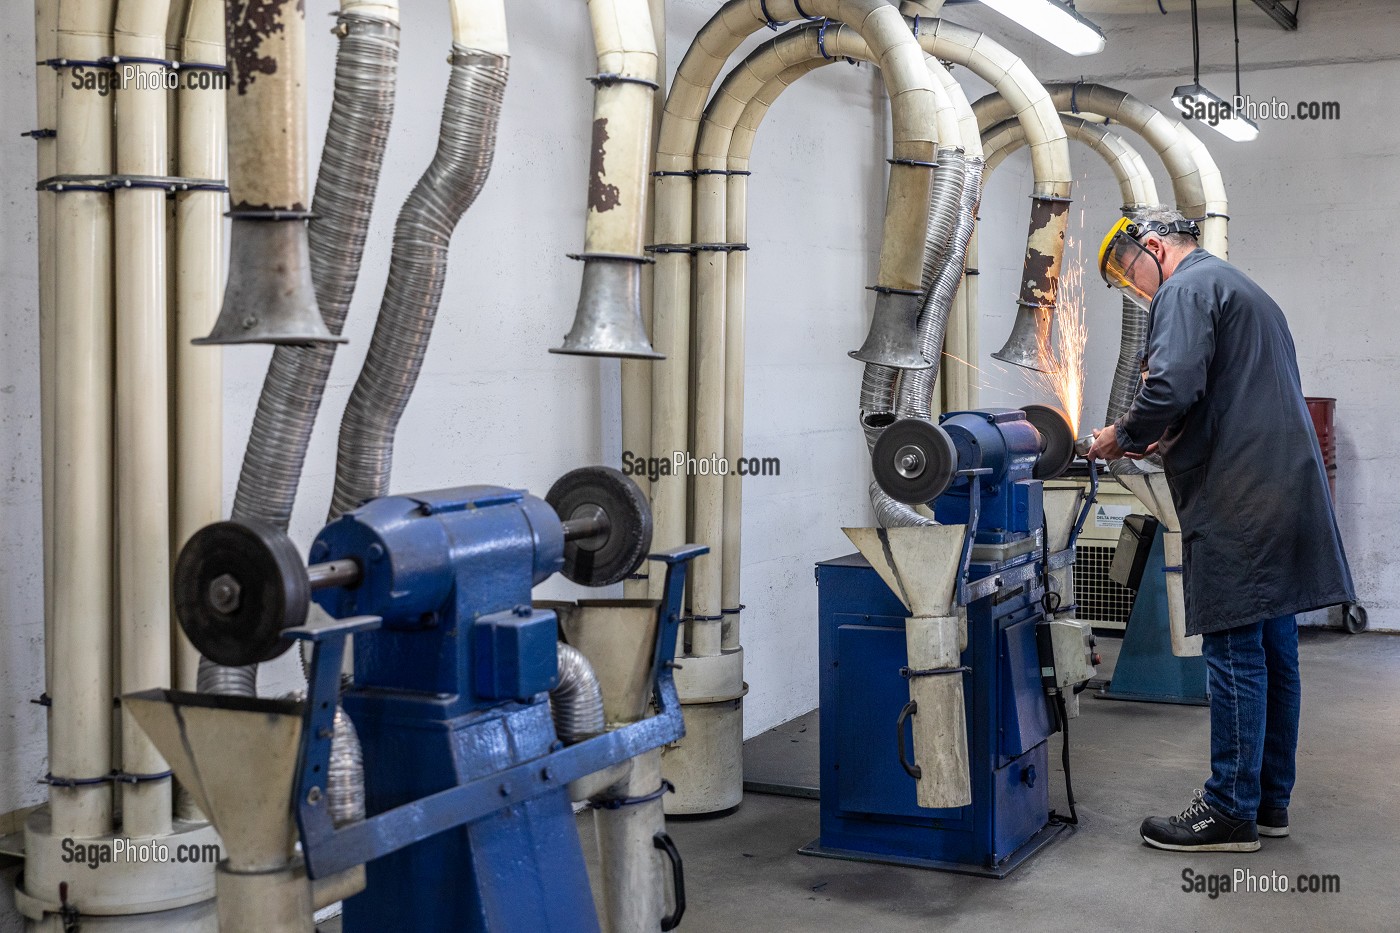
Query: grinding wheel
{"points": [[1056, 440], [914, 461], [611, 500], [237, 585]]}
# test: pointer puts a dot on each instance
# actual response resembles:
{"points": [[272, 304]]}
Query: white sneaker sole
{"points": [[1273, 832], [1215, 847]]}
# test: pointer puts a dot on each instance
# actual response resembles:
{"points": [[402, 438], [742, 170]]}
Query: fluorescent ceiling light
{"points": [[1196, 103], [1055, 22]]}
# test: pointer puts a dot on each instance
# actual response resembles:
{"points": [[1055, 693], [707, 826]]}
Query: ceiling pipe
{"points": [[713, 385], [1139, 192], [1196, 181], [911, 94], [1050, 163], [709, 756]]}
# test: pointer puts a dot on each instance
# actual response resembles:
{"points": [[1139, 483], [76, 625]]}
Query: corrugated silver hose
{"points": [[366, 72], [345, 784], [1128, 376], [915, 398], [877, 389], [345, 776], [576, 702], [417, 270]]}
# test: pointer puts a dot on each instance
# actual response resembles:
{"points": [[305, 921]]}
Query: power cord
{"points": [[1062, 714]]}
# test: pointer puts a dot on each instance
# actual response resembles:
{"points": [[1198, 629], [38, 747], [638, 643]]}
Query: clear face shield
{"points": [[1127, 265]]}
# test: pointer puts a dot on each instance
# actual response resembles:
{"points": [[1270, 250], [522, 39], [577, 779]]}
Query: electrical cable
{"points": [[1235, 12], [1062, 714], [1195, 44]]}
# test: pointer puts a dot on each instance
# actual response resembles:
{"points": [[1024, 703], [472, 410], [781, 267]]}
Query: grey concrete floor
{"points": [[1129, 760]]}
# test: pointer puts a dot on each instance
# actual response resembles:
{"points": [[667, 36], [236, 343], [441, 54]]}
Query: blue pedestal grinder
{"points": [[982, 470], [470, 826]]}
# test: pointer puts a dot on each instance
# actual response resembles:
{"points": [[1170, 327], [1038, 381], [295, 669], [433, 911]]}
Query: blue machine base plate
{"points": [[1015, 860]]}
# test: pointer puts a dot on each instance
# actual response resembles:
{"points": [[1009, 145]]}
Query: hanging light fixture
{"points": [[1057, 23], [1196, 102]]}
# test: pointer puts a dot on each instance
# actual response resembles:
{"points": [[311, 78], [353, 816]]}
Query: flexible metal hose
{"points": [[915, 398], [366, 69], [576, 702], [877, 390], [891, 513], [345, 776], [1128, 376], [363, 107], [417, 271], [345, 785], [226, 681]]}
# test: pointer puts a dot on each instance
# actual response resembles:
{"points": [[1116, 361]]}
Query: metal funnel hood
{"points": [[919, 564], [1151, 490], [238, 757], [618, 636]]}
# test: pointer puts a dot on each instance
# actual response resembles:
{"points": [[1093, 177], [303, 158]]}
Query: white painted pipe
{"points": [[143, 455], [1134, 178], [201, 149], [911, 93], [636, 374], [1196, 181], [45, 157], [81, 688], [632, 871], [719, 315]]}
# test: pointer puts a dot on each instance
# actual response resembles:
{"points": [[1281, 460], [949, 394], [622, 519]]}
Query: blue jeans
{"points": [[1254, 701]]}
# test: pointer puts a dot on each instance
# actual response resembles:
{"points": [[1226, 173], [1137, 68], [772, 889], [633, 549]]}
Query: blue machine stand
{"points": [[869, 808], [492, 847], [1146, 670]]}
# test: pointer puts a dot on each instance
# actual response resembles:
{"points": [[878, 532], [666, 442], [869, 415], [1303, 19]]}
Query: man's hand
{"points": [[1105, 446]]}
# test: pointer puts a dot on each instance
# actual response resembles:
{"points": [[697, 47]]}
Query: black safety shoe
{"points": [[1200, 828], [1272, 821]]}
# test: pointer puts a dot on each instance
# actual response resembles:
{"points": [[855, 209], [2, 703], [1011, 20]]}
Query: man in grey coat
{"points": [[1222, 404]]}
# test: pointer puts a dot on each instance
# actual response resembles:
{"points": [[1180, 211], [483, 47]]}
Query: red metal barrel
{"points": [[1324, 412]]}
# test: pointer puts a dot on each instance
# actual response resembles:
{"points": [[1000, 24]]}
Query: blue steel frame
{"points": [[328, 850]]}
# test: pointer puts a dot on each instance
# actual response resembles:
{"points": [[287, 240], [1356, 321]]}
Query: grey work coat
{"points": [[1222, 392]]}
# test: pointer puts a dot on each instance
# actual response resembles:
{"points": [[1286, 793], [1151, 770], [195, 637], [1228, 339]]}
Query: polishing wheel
{"points": [[914, 461], [607, 524], [1056, 439], [237, 585]]}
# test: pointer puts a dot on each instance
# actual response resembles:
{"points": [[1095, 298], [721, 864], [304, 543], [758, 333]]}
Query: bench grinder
{"points": [[469, 762], [940, 648]]}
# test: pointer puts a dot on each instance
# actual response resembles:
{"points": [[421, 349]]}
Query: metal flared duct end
{"points": [[269, 297], [893, 339], [1030, 339], [608, 321]]}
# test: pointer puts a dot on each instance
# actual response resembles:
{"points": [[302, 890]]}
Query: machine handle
{"points": [[913, 770], [662, 841]]}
